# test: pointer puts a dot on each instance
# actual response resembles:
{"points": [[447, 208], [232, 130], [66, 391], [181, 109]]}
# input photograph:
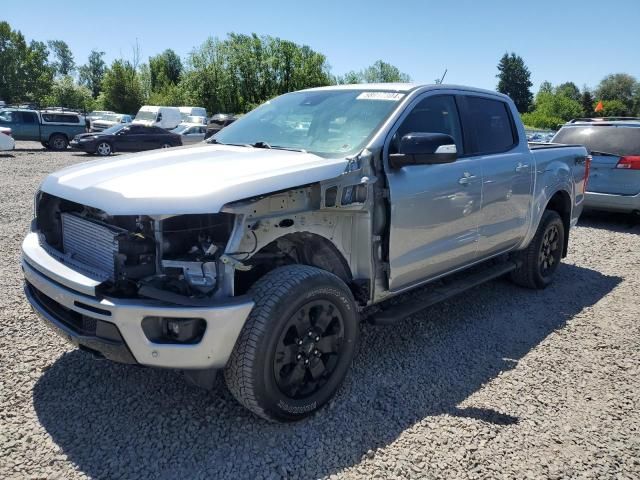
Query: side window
{"points": [[435, 114], [136, 130], [491, 121], [29, 118], [7, 116]]}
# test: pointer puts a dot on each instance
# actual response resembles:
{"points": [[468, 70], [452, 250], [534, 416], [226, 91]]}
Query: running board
{"points": [[394, 314]]}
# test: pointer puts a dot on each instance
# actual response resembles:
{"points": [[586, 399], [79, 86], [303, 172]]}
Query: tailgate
{"points": [[606, 177]]}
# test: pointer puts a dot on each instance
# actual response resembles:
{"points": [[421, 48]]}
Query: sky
{"points": [[561, 40]]}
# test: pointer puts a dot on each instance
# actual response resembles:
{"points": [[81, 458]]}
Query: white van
{"points": [[192, 112], [153, 116]]}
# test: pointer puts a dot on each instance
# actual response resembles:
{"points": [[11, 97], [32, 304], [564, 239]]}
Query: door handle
{"points": [[466, 180], [521, 167]]}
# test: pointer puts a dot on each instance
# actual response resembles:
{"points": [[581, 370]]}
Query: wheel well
{"points": [[58, 133], [302, 248], [561, 203]]}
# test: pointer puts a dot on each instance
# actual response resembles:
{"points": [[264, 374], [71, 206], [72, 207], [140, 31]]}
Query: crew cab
{"points": [[54, 129], [257, 251]]}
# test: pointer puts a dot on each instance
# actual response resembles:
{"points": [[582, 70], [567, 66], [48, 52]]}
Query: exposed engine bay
{"points": [[136, 255]]}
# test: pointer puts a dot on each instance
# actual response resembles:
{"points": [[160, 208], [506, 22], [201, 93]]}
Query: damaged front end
{"points": [[178, 259]]}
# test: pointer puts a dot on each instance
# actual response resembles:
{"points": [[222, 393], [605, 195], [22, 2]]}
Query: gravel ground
{"points": [[499, 383]]}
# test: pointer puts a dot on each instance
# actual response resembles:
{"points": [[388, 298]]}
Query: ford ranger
{"points": [[256, 253]]}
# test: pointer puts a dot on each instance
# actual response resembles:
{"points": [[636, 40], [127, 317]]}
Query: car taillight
{"points": [[629, 162], [587, 171]]}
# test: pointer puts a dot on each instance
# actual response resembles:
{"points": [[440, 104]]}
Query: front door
{"points": [[435, 209]]}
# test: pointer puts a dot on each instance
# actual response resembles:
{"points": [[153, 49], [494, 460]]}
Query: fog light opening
{"points": [[174, 330]]}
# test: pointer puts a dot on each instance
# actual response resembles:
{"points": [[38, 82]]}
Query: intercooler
{"points": [[90, 245]]}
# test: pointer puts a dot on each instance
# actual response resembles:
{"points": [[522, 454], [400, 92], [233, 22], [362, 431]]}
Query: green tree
{"points": [[379, 72], [164, 69], [25, 74], [514, 79], [552, 109], [242, 71], [570, 90], [546, 87], [586, 100], [92, 73], [64, 63], [613, 108], [619, 86], [66, 93], [122, 91]]}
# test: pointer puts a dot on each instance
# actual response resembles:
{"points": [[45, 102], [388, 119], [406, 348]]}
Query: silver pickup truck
{"points": [[256, 252]]}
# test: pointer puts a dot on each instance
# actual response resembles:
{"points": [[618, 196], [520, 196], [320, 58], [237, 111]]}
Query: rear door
{"points": [[612, 146], [507, 171], [435, 209]]}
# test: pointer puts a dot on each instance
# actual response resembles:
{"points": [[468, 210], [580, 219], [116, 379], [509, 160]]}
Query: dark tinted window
{"points": [[60, 118], [437, 114], [29, 118], [491, 122], [619, 140], [156, 130], [137, 130]]}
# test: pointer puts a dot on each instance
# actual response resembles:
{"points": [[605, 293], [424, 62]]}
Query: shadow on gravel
{"points": [[614, 222], [127, 422]]}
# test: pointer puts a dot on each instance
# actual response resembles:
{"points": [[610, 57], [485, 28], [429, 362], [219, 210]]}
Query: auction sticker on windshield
{"points": [[390, 96]]}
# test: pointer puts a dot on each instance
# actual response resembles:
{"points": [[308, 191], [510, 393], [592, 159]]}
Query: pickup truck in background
{"points": [[256, 252], [53, 129]]}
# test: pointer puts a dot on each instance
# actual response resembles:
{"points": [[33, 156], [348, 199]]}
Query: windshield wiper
{"points": [[268, 146]]}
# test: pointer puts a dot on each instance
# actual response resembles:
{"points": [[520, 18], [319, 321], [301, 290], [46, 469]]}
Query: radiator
{"points": [[90, 244]]}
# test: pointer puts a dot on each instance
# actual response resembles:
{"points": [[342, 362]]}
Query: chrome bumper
{"points": [[614, 203], [76, 292]]}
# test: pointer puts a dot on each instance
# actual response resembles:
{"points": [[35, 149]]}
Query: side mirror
{"points": [[419, 148], [159, 118]]}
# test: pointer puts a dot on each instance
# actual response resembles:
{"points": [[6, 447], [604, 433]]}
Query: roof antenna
{"points": [[439, 81]]}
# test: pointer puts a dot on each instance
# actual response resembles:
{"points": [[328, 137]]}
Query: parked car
{"points": [[257, 252], [98, 114], [109, 120], [125, 138], [217, 122], [186, 112], [53, 129], [6, 140], [195, 119], [190, 133], [163, 117], [614, 144]]}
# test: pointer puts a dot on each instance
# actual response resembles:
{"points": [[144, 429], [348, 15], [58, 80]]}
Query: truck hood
{"points": [[194, 179]]}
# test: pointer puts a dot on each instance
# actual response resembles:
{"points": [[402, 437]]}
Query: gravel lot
{"points": [[498, 383]]}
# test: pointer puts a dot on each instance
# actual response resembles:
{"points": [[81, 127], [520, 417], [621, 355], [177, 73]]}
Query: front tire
{"points": [[104, 149], [540, 260], [297, 344]]}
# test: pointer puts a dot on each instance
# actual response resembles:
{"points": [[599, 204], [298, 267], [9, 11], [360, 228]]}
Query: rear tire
{"points": [[297, 344], [540, 260], [58, 142]]}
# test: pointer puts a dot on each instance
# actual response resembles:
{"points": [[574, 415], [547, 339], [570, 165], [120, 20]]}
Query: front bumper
{"points": [[55, 291], [612, 203], [83, 146]]}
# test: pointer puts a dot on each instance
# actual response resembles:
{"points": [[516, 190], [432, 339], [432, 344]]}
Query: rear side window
{"points": [[619, 140], [29, 118], [491, 122], [60, 118]]}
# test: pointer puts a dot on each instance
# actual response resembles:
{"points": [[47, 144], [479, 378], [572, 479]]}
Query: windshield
{"points": [[617, 139], [113, 130], [111, 118], [329, 123], [146, 115]]}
